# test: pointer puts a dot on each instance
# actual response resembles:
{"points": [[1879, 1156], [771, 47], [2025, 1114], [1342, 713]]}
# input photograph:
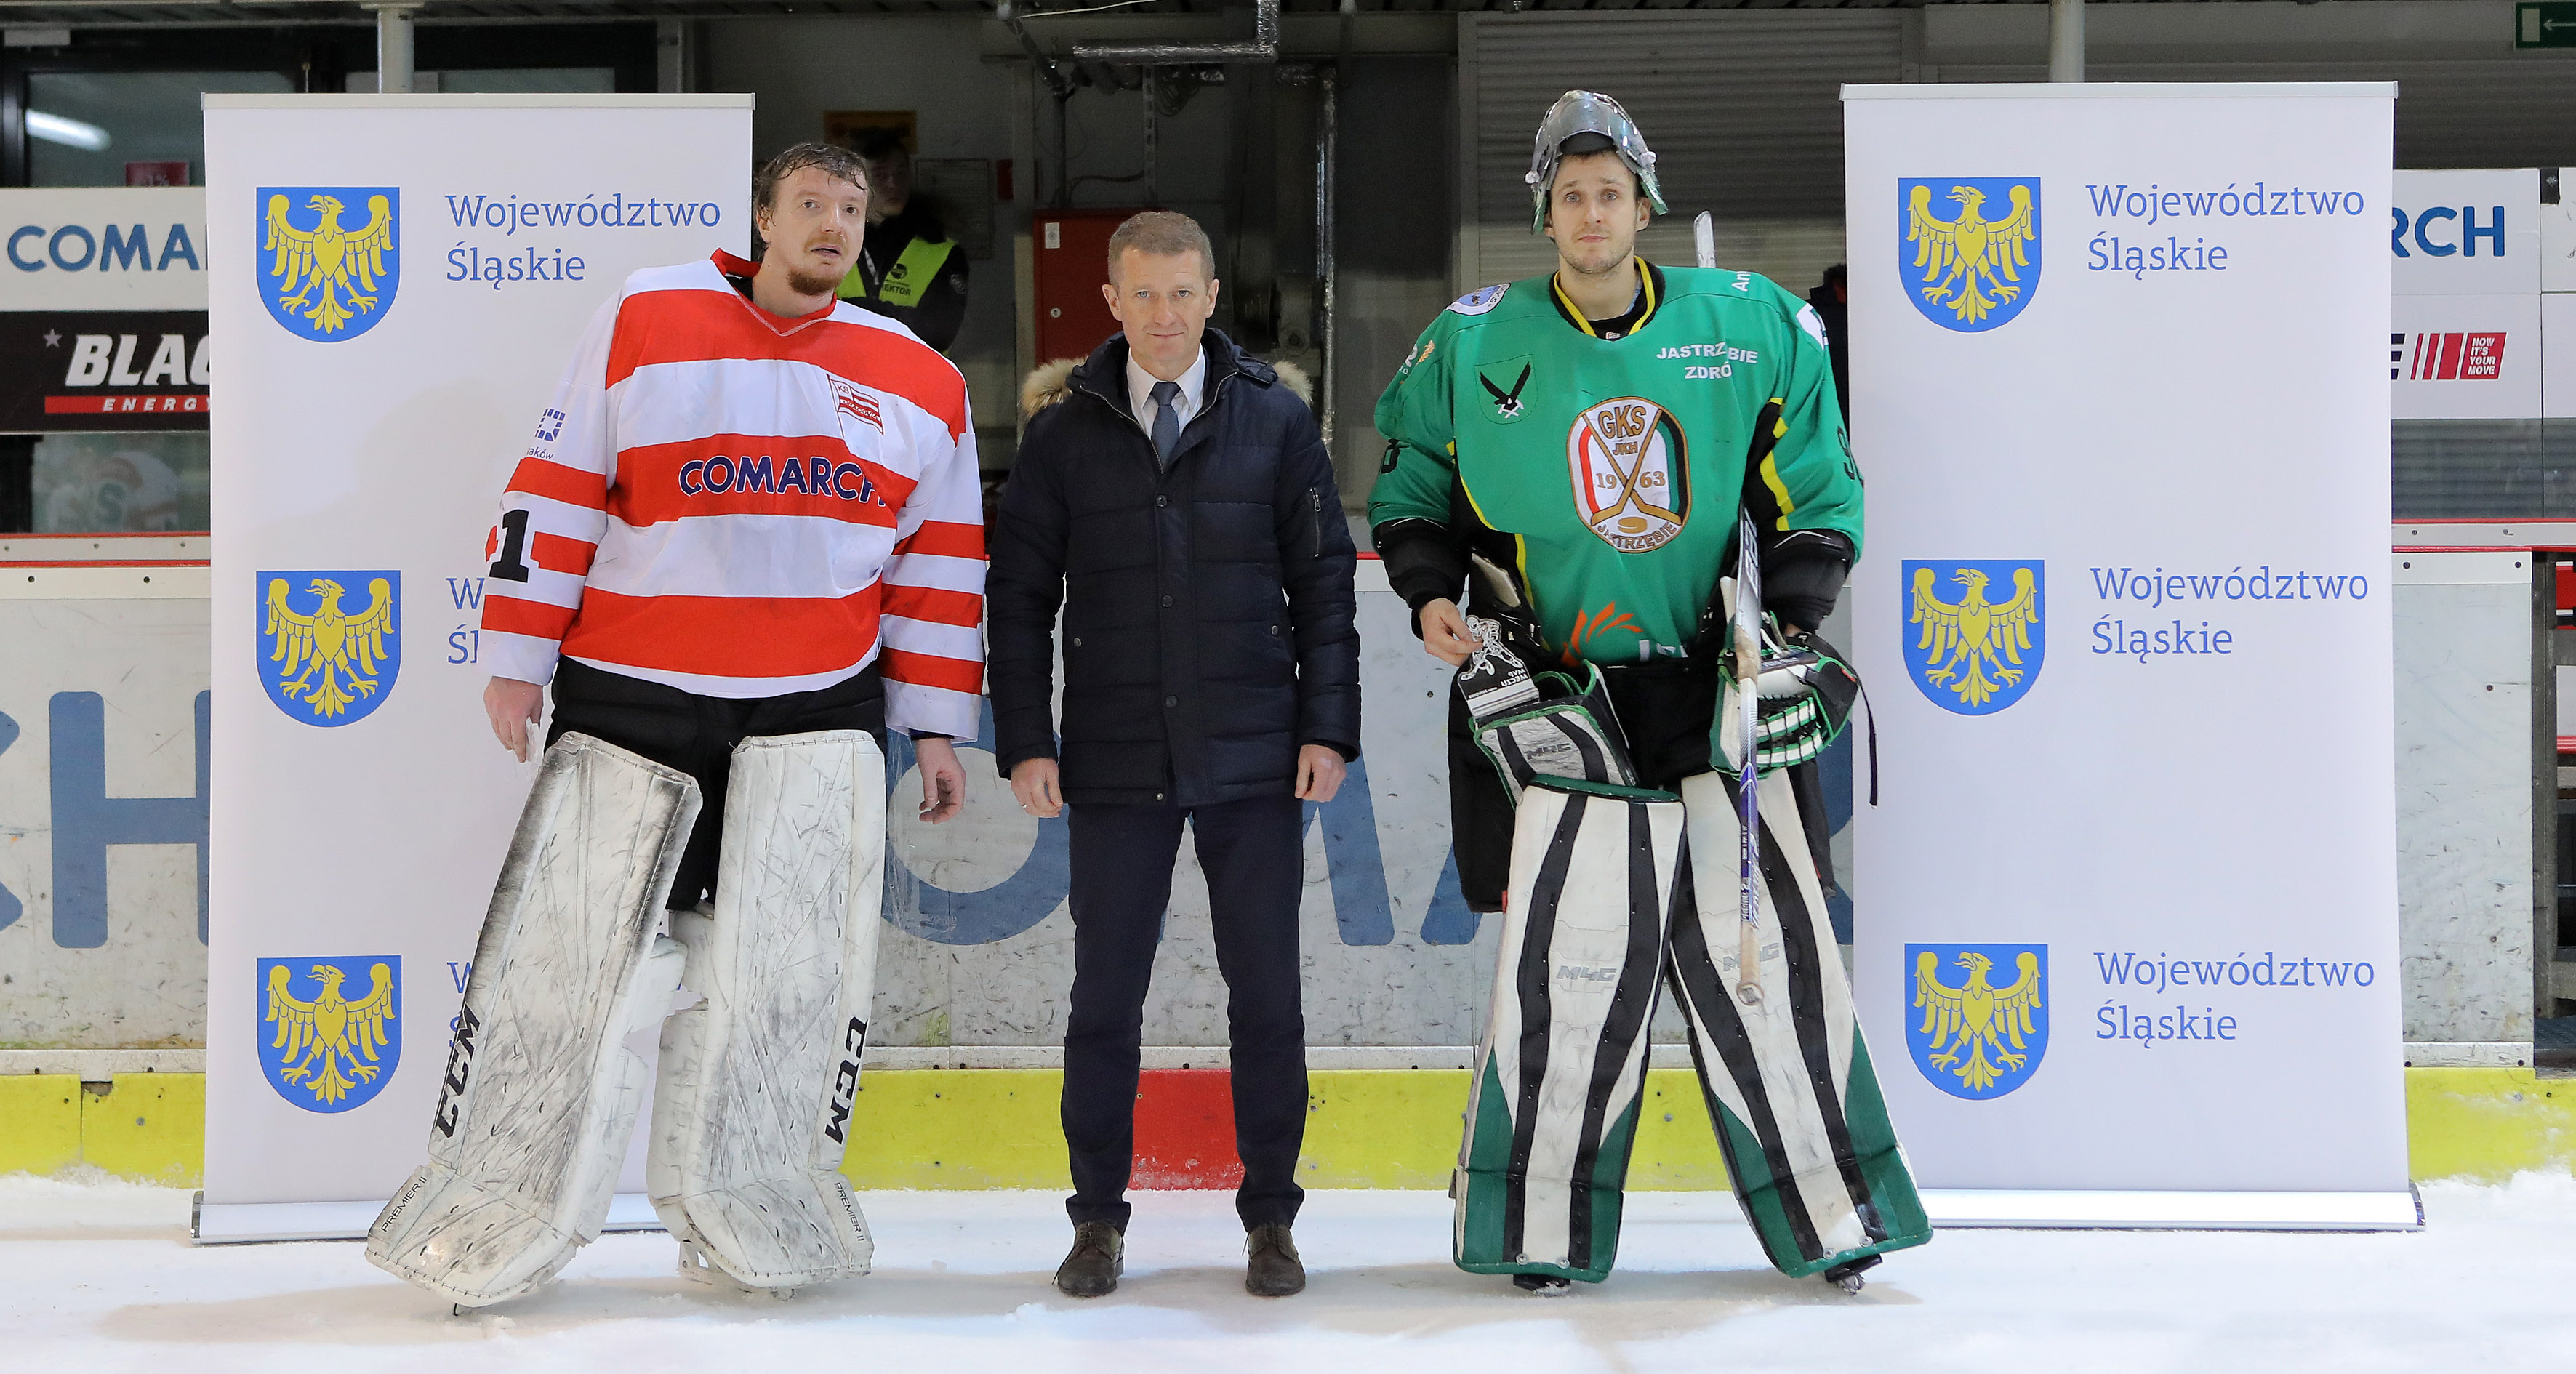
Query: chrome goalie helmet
{"points": [[1587, 112]]}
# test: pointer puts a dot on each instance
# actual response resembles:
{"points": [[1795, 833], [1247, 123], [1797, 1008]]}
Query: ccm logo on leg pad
{"points": [[845, 1085], [460, 1066]]}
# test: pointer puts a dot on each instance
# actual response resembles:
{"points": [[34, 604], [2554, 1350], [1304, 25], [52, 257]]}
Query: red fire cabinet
{"points": [[1072, 263]]}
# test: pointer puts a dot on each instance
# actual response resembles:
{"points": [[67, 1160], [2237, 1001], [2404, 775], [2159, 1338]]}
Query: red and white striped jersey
{"points": [[740, 505]]}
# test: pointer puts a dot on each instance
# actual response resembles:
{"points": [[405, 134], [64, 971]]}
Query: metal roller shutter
{"points": [[1743, 109], [2509, 112]]}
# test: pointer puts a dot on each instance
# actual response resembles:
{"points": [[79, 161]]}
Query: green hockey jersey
{"points": [[1610, 471]]}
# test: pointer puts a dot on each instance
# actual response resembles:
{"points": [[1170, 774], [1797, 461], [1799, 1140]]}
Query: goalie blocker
{"points": [[1615, 887], [758, 1074]]}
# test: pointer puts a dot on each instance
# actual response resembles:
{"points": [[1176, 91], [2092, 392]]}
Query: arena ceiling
{"points": [[133, 14]]}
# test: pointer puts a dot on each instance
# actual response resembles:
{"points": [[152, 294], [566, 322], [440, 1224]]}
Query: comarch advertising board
{"points": [[2466, 316], [398, 281], [2120, 390], [103, 313]]}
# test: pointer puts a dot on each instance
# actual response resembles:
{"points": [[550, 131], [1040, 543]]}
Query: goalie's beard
{"points": [[812, 284]]}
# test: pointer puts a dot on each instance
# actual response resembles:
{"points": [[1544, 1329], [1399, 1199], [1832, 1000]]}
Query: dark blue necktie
{"points": [[1167, 421]]}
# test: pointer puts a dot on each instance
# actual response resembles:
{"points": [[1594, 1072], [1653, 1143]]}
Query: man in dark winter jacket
{"points": [[1173, 496]]}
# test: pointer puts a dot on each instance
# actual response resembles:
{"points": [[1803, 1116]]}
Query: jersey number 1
{"points": [[514, 542]]}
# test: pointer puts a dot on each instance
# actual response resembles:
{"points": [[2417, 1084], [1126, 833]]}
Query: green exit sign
{"points": [[2551, 24]]}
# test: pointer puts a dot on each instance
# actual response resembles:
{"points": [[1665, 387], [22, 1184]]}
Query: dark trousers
{"points": [[1122, 884], [696, 735]]}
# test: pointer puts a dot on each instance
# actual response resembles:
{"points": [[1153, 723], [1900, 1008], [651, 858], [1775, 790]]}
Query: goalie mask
{"points": [[1577, 113]]}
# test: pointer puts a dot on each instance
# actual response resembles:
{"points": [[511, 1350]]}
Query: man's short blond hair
{"points": [[1162, 233], [835, 161]]}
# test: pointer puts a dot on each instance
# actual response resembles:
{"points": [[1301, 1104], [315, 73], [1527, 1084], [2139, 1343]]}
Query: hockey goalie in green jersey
{"points": [[1569, 461]]}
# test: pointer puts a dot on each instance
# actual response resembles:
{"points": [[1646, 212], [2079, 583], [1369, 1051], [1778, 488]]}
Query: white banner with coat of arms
{"points": [[400, 281], [2128, 907]]}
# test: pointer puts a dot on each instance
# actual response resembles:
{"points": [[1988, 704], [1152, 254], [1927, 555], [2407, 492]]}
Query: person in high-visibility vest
{"points": [[908, 269]]}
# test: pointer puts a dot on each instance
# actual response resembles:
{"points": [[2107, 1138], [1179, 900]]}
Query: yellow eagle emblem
{"points": [[1968, 643], [329, 1045], [345, 650], [342, 265], [1970, 263], [1977, 1019]]}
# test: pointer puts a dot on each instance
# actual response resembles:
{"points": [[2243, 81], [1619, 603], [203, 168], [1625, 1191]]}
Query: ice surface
{"points": [[100, 1276]]}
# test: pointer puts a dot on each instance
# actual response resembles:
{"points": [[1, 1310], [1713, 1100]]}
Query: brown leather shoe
{"points": [[1274, 1270], [1092, 1267]]}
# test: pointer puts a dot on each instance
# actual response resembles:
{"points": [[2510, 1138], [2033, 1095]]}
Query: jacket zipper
{"points": [[1212, 396], [1315, 502]]}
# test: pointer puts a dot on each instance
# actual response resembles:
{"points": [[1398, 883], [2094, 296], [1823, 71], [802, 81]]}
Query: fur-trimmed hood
{"points": [[1052, 382]]}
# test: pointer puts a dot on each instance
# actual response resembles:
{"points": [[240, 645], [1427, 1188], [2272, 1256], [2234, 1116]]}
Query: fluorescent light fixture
{"points": [[71, 133]]}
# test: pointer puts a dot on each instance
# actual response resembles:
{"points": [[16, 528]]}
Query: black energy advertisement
{"points": [[78, 371]]}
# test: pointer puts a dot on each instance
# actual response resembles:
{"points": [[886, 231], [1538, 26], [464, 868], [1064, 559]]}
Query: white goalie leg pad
{"points": [[752, 1110], [541, 1092], [1550, 1117], [1763, 1062]]}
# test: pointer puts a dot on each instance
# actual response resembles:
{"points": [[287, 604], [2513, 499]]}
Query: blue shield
{"points": [[1967, 248], [329, 1037], [330, 642], [330, 257], [1976, 1016], [1974, 630]]}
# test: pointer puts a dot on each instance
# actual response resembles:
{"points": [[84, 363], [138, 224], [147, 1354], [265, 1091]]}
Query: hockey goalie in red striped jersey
{"points": [[746, 541]]}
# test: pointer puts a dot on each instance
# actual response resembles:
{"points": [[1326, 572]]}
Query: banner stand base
{"points": [[2015, 1208], [246, 1223]]}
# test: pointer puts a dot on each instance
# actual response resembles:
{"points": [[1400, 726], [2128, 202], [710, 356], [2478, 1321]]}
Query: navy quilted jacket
{"points": [[1207, 607]]}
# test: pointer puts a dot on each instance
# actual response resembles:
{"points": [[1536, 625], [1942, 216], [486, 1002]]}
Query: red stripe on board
{"points": [[555, 553], [2451, 348], [742, 474], [570, 485], [726, 636], [686, 326], [156, 404], [96, 562], [510, 615], [1185, 1129], [156, 534], [937, 604], [931, 670], [944, 539]]}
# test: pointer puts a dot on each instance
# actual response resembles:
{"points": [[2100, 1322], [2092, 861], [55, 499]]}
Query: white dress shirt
{"points": [[1140, 392]]}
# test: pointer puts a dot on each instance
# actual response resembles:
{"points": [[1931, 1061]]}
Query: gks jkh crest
{"points": [[327, 1035], [1631, 473], [330, 644], [1975, 632], [1969, 258], [1977, 1023], [329, 262]]}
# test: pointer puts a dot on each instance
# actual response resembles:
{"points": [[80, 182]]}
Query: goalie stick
{"points": [[1748, 668]]}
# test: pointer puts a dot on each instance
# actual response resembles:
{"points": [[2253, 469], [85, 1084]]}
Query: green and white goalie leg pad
{"points": [[759, 1078], [1799, 1116], [541, 1092], [1553, 1110]]}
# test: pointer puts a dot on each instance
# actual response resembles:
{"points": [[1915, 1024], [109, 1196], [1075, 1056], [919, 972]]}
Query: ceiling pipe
{"points": [[1264, 46]]}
